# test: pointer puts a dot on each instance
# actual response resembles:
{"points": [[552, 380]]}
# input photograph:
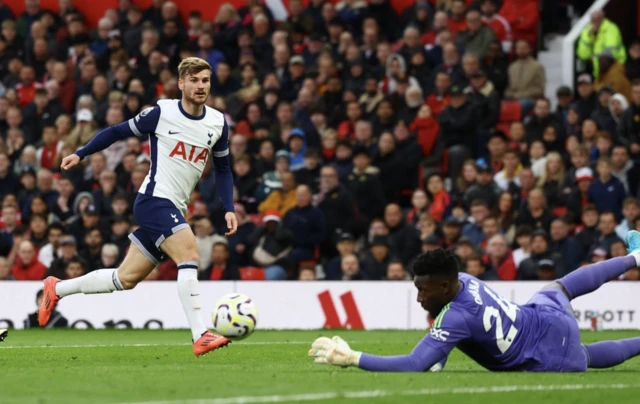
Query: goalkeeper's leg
{"points": [[135, 267], [606, 354]]}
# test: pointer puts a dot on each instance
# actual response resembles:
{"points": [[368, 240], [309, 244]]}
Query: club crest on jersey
{"points": [[210, 136], [190, 153]]}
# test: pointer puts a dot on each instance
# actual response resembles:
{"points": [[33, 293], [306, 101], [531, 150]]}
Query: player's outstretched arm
{"points": [[144, 123], [224, 179], [337, 352]]}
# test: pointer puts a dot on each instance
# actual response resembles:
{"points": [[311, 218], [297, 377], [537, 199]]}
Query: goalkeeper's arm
{"points": [[337, 352]]}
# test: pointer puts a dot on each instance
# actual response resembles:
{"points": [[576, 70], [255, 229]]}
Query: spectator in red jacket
{"points": [[27, 87], [523, 16], [440, 98], [457, 20], [439, 196], [346, 129], [499, 258], [497, 23], [426, 128], [27, 267]]}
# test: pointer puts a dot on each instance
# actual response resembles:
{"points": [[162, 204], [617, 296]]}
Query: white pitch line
{"points": [[149, 345], [388, 393]]}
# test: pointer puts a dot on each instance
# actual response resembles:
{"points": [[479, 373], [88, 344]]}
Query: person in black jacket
{"points": [[404, 239], [338, 207], [589, 232], [601, 114], [458, 127], [409, 155], [535, 213], [628, 132], [528, 269], [310, 174], [568, 247], [366, 188], [57, 320], [483, 93], [308, 225], [376, 260], [587, 99], [541, 118]]}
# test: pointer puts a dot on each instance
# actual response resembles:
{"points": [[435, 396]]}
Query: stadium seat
{"points": [[252, 274], [510, 111]]}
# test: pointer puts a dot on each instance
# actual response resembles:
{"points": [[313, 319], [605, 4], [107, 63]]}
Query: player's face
{"points": [[196, 87], [431, 293]]}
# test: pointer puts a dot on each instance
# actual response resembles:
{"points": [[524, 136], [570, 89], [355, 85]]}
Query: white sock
{"points": [[100, 281], [189, 291]]}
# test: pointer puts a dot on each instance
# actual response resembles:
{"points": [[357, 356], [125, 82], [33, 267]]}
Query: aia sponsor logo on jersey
{"points": [[190, 153]]}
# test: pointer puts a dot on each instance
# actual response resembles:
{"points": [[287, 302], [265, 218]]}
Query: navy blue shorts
{"points": [[559, 349], [158, 218]]}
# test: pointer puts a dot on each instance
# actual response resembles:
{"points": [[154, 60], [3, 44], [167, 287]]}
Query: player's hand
{"points": [[232, 223], [70, 161], [334, 351]]}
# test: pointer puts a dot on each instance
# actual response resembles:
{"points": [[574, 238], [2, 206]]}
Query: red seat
{"points": [[510, 111], [252, 274], [559, 211]]}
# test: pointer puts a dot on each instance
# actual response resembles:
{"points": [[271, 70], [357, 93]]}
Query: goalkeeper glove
{"points": [[334, 351]]}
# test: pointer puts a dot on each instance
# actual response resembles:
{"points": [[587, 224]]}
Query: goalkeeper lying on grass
{"points": [[540, 336]]}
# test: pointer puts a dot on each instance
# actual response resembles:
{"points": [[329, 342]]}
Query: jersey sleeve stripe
{"points": [[134, 128], [221, 153], [438, 321]]}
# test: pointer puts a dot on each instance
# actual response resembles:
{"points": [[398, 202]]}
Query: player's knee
{"points": [[129, 280]]}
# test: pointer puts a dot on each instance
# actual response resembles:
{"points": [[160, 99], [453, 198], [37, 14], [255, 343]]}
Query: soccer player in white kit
{"points": [[182, 134]]}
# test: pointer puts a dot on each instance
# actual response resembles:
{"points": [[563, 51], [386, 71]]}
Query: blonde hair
{"points": [[192, 66], [547, 176]]}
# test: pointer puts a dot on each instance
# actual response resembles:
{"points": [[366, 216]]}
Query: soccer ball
{"points": [[235, 316]]}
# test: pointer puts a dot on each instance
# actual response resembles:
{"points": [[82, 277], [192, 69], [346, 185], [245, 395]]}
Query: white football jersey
{"points": [[180, 145]]}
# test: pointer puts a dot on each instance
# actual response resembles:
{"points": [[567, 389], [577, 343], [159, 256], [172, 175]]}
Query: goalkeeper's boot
{"points": [[49, 301], [633, 241], [209, 342]]}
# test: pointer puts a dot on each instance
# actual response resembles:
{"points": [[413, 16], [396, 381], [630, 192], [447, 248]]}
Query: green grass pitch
{"points": [[158, 367]]}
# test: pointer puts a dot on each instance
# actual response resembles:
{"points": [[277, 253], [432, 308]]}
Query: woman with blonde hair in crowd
{"points": [[467, 177], [551, 182]]}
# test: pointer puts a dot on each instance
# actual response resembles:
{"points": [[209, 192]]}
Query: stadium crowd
{"points": [[359, 137]]}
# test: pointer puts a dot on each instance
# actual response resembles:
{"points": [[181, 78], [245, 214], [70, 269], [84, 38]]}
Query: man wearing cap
{"points": [[587, 99], [273, 179], [458, 128], [600, 34], [297, 145], [528, 269], [579, 195], [293, 79], [365, 186], [271, 244], [376, 260], [345, 245], [526, 77], [485, 189], [483, 93]]}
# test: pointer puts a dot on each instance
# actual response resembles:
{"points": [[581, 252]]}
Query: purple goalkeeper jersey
{"points": [[497, 334]]}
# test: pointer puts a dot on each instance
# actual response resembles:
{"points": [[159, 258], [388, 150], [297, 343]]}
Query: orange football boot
{"points": [[209, 342], [49, 300]]}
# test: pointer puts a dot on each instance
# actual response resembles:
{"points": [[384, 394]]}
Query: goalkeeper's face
{"points": [[433, 292], [195, 88]]}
